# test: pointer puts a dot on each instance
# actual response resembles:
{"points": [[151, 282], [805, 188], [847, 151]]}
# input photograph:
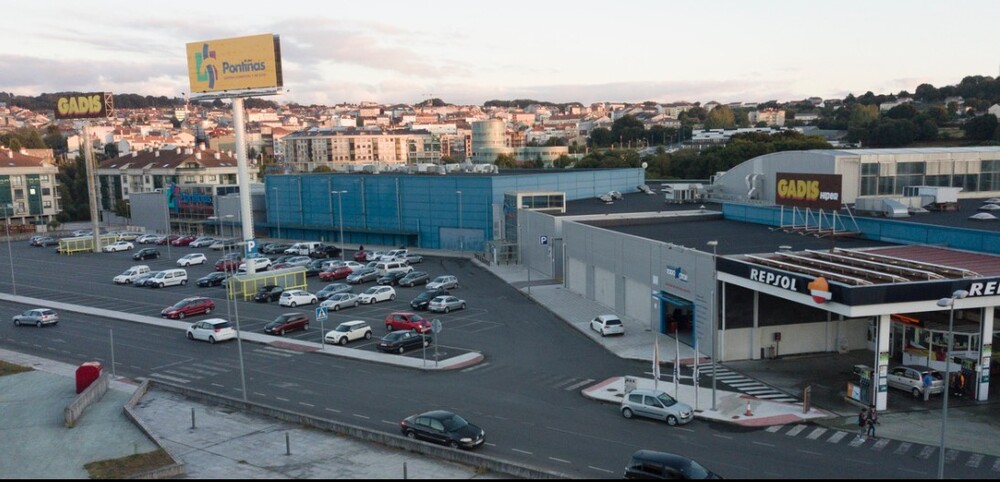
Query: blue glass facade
{"points": [[428, 211]]}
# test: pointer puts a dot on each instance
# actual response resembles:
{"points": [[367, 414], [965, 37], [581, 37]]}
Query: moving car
{"points": [[649, 464], [146, 253], [607, 325], [211, 330], [424, 299], [400, 341], [403, 320], [188, 306], [341, 300], [268, 293], [656, 404], [376, 294], [202, 242], [911, 379], [332, 289], [193, 258], [295, 298], [44, 241], [362, 275], [446, 304], [414, 278], [36, 316], [215, 278], [443, 427], [349, 331], [287, 322], [147, 239], [118, 246], [447, 282]]}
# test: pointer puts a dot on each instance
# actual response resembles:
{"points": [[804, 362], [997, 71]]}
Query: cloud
{"points": [[33, 76]]}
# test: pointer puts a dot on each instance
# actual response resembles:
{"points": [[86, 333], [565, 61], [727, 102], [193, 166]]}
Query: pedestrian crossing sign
{"points": [[320, 313]]}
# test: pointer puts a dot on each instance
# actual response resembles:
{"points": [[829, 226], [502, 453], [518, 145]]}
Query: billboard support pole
{"points": [[88, 160], [243, 174]]}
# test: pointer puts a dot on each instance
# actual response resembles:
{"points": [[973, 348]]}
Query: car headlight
{"points": [[465, 440]]}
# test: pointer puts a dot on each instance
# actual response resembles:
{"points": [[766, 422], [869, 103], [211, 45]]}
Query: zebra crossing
{"points": [[212, 368], [553, 381], [741, 383], [895, 447]]}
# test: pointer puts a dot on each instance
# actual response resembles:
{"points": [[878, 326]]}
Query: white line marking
{"points": [[950, 455], [912, 471], [491, 445], [564, 382], [861, 461], [361, 416], [858, 441], [903, 448], [925, 453], [559, 460], [260, 394], [475, 367], [218, 385], [390, 422], [974, 460], [523, 451], [334, 410], [880, 444], [796, 430], [600, 469], [578, 385], [283, 399], [836, 437], [722, 436], [167, 377], [996, 466], [774, 428], [306, 404], [810, 452], [817, 433], [764, 444]]}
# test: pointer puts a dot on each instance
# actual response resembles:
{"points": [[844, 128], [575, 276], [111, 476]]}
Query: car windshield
{"points": [[453, 423], [666, 400], [439, 280], [181, 303], [693, 470], [614, 321], [126, 272], [372, 290], [343, 328]]}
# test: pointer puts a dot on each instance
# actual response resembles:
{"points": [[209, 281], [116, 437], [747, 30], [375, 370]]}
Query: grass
{"points": [[12, 369], [122, 468]]}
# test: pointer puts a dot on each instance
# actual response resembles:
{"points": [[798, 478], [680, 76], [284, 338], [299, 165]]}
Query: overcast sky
{"points": [[468, 52]]}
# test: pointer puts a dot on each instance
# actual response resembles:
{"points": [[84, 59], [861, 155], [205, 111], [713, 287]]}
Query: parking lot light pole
{"points": [[277, 212], [10, 253], [950, 304], [340, 220], [715, 319], [461, 239], [239, 346]]}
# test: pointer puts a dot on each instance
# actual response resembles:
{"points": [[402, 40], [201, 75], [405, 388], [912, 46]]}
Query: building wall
{"points": [[732, 185]]}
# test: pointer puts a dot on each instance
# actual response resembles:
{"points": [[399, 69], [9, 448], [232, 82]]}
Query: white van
{"points": [[169, 277], [386, 267], [303, 249], [130, 274]]}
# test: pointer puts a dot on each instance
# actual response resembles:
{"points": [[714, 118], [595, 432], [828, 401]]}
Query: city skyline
{"points": [[400, 52]]}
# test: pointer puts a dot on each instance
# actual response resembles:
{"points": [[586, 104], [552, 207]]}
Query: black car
{"points": [[268, 293], [414, 278], [390, 278], [649, 464], [423, 299], [314, 267], [325, 251], [146, 253], [400, 341], [274, 248], [443, 427], [215, 278]]}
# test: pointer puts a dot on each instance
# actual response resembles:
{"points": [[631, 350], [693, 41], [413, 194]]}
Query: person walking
{"points": [[871, 421], [862, 420], [927, 385]]}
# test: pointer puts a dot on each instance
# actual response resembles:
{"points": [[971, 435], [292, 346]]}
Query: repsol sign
{"points": [[988, 288], [84, 106], [818, 191], [767, 277]]}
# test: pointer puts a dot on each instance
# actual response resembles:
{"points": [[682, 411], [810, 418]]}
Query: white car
{"points": [[376, 294], [349, 331], [446, 282], [118, 246], [259, 264], [147, 239], [294, 298], [340, 300], [211, 330], [393, 255], [607, 325], [193, 258], [374, 255]]}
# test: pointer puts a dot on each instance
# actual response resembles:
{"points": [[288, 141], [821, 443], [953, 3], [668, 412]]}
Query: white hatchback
{"points": [[376, 294], [211, 330], [193, 258], [118, 246], [294, 298], [349, 331], [607, 325]]}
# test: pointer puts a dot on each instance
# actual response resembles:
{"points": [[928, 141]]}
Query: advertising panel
{"points": [[816, 191], [234, 64], [84, 106]]}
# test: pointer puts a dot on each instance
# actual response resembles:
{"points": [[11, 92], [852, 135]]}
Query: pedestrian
{"points": [[927, 386], [872, 421], [960, 385], [862, 420], [361, 248]]}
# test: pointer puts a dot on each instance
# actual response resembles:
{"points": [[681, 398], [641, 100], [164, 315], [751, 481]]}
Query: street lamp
{"points": [[340, 216], [950, 304], [10, 253], [277, 212], [461, 239], [715, 319]]}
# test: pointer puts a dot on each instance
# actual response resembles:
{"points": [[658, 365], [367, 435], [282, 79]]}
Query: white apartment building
{"points": [[28, 187], [772, 117], [343, 149]]}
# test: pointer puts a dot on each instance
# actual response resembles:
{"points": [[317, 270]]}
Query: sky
{"points": [[466, 52]]}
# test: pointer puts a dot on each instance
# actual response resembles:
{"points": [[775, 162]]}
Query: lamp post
{"points": [[277, 212], [166, 225], [340, 220], [715, 320], [950, 304], [10, 253], [461, 239]]}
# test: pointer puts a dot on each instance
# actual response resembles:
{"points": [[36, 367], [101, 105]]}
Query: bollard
{"points": [[404, 470], [192, 418], [288, 445]]}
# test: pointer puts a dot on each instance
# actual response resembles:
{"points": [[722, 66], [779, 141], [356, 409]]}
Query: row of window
{"points": [[912, 174]]}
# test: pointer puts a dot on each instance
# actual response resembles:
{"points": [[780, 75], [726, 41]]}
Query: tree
{"points": [[980, 128], [54, 139], [111, 150], [721, 117], [562, 162], [122, 208], [506, 161], [322, 168], [902, 111], [600, 137], [927, 93]]}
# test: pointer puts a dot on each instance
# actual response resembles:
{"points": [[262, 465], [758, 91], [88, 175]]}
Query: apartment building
{"points": [[771, 117], [344, 149], [28, 187]]}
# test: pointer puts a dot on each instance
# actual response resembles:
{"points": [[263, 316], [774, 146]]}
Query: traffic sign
{"points": [[543, 240], [320, 313], [436, 325]]}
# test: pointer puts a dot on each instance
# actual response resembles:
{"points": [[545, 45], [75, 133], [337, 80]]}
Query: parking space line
{"points": [[361, 416], [578, 385], [880, 444], [523, 451], [925, 453], [599, 469], [559, 460], [475, 367]]}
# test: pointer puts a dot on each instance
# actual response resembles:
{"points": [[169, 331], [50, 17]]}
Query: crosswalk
{"points": [[895, 447], [741, 383], [200, 370], [553, 381]]}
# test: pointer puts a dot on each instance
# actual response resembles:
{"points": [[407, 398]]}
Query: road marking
{"points": [[390, 422], [600, 469], [774, 428], [903, 448], [218, 385], [559, 460], [861, 461], [475, 367], [796, 430], [361, 416], [950, 456], [747, 384], [817, 433], [996, 465], [490, 444], [578, 385], [523, 451], [904, 469], [182, 374], [260, 394], [810, 452], [858, 441], [880, 444], [306, 404], [764, 444], [334, 410], [564, 382], [974, 460], [722, 436], [282, 399], [925, 453], [167, 377], [769, 395]]}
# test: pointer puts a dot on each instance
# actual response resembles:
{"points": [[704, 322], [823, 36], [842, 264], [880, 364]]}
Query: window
{"points": [[16, 180], [18, 194], [43, 178], [46, 204]]}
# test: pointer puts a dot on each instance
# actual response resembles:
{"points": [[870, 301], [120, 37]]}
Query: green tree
{"points": [[111, 150], [600, 137], [54, 139], [322, 168], [562, 162], [122, 208], [627, 129], [506, 161], [721, 117], [73, 191], [902, 111], [981, 128]]}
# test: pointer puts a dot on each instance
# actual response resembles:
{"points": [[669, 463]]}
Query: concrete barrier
{"points": [[177, 468], [90, 395]]}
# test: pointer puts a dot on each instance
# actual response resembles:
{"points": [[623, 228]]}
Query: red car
{"points": [[287, 322], [183, 240], [229, 263], [339, 272], [189, 306], [361, 256], [405, 320], [168, 239]]}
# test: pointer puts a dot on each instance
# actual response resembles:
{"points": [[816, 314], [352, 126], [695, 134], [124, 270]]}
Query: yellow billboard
{"points": [[235, 64]]}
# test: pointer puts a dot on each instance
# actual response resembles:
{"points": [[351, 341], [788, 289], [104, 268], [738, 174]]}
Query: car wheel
{"points": [[388, 328], [453, 444], [208, 311], [463, 306], [426, 343], [292, 304], [355, 303], [38, 323], [392, 297], [305, 326], [181, 315], [671, 420], [184, 282], [190, 336], [343, 341], [17, 322], [627, 412], [447, 309], [401, 350], [336, 307], [411, 435], [368, 335], [916, 393], [211, 339], [159, 285]]}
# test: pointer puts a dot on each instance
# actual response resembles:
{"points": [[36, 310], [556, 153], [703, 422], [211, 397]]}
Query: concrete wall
{"points": [[745, 343], [88, 397]]}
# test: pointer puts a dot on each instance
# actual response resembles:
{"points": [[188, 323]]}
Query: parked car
{"points": [[374, 256], [130, 274], [607, 325], [140, 281], [335, 273], [348, 331], [446, 304], [314, 267], [36, 316], [188, 306], [259, 264], [332, 289], [45, 241], [274, 248], [649, 464], [414, 278], [126, 235], [229, 262], [911, 379], [282, 265], [362, 275], [391, 278], [424, 299], [211, 330], [393, 255], [295, 298], [376, 294], [447, 282], [299, 260], [215, 278], [361, 255], [326, 251], [413, 258], [168, 239], [287, 322], [202, 242], [224, 244], [401, 341], [443, 427], [183, 241], [193, 258], [118, 246], [341, 300], [656, 404], [168, 277], [146, 253], [404, 320], [147, 239], [268, 293]]}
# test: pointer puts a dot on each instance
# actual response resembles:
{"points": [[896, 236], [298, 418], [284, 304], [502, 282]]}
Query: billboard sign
{"points": [[817, 191], [84, 106], [235, 64]]}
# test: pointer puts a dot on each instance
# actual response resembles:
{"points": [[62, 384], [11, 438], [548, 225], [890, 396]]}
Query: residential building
{"points": [[28, 187], [771, 117], [346, 149]]}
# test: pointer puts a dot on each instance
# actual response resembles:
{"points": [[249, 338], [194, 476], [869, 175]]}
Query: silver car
{"points": [[37, 317], [911, 379], [341, 300], [656, 404], [446, 282], [446, 304]]}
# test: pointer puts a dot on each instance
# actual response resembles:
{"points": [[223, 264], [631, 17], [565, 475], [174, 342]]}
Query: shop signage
{"points": [[989, 288], [235, 64], [774, 279], [818, 191], [84, 106], [678, 273], [819, 289]]}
